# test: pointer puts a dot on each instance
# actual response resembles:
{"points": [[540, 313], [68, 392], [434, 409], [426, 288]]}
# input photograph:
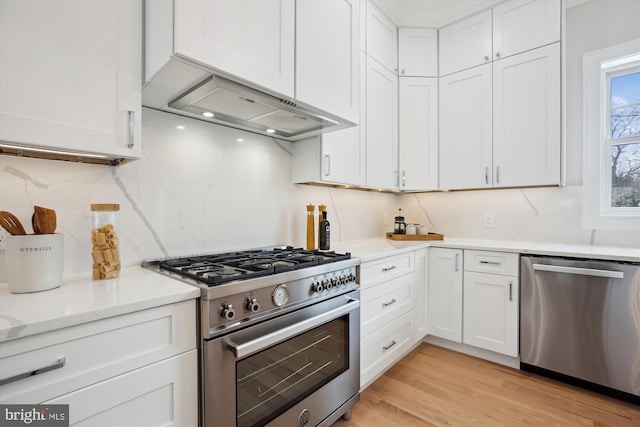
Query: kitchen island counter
{"points": [[374, 248], [80, 300]]}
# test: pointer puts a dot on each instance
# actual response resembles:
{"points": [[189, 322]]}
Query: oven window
{"points": [[270, 382]]}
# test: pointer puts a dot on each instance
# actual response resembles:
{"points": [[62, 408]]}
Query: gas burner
{"points": [[217, 269]]}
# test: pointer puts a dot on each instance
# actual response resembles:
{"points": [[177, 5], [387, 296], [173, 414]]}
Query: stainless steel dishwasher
{"points": [[580, 322]]}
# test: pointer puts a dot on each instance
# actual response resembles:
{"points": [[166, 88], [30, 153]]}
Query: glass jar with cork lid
{"points": [[105, 249]]}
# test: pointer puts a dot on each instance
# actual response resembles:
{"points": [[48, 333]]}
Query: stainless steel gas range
{"points": [[280, 331]]}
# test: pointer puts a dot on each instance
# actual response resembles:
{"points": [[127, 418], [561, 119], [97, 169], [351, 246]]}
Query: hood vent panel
{"points": [[240, 106]]}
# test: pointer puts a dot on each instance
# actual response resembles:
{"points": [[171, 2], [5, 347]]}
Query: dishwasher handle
{"points": [[612, 274]]}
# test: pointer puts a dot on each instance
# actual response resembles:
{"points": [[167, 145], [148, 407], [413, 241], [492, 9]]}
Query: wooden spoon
{"points": [[44, 220], [9, 222]]}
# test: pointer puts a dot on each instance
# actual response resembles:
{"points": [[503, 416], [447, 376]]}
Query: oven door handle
{"points": [[241, 350]]}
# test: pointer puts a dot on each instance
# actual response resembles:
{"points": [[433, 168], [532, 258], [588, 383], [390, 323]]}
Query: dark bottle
{"points": [[324, 240]]}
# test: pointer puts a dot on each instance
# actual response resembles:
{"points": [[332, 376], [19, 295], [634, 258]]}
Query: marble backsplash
{"points": [[212, 188]]}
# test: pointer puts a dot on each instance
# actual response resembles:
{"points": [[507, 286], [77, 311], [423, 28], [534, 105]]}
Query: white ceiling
{"points": [[438, 13], [431, 13]]}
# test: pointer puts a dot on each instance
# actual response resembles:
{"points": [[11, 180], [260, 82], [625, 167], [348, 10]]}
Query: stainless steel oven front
{"points": [[298, 369]]}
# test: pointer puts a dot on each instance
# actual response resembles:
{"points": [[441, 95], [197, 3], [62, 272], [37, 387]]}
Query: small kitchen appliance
{"points": [[280, 331], [399, 226]]}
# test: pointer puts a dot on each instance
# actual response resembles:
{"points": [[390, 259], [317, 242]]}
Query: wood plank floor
{"points": [[433, 386]]}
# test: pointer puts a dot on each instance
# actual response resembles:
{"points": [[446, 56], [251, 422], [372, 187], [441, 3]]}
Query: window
{"points": [[611, 170], [622, 139]]}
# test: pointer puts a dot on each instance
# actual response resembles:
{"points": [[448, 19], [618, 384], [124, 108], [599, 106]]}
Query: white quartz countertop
{"points": [[80, 299], [374, 248]]}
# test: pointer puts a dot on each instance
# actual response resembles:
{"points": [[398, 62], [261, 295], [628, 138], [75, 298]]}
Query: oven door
{"points": [[296, 369]]}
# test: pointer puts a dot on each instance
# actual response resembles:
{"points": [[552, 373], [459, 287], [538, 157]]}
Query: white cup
{"points": [[34, 262], [411, 229], [423, 229]]}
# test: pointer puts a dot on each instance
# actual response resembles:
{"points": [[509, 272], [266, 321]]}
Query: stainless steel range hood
{"points": [[226, 102]]}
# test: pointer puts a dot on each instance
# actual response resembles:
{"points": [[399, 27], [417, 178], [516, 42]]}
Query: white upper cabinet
{"points": [[381, 126], [70, 75], [327, 55], [253, 40], [417, 52], [465, 129], [521, 25], [527, 118], [418, 133], [382, 38], [465, 44]]}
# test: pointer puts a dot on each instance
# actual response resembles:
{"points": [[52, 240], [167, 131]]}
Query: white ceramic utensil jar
{"points": [[34, 262], [105, 248]]}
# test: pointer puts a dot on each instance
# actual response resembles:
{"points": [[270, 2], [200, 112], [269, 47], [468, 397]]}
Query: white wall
{"points": [[543, 214]]}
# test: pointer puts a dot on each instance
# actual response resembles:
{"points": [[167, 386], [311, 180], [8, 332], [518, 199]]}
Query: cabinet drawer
{"points": [[94, 351], [380, 270], [385, 302], [491, 262], [162, 394], [382, 348]]}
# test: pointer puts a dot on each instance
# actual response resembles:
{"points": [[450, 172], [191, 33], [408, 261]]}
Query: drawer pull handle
{"points": [[385, 269], [386, 304], [510, 291], [387, 347], [56, 365], [491, 262]]}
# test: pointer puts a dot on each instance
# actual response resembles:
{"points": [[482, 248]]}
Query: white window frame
{"points": [[598, 67]]}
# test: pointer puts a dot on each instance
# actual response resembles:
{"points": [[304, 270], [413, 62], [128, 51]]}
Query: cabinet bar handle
{"points": [[327, 165], [612, 274], [386, 304], [387, 347], [404, 179], [486, 175], [385, 269], [132, 122], [497, 54], [491, 262], [498, 174], [456, 262], [56, 365], [486, 58], [510, 291]]}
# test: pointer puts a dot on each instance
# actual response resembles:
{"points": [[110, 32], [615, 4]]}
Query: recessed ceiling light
{"points": [[207, 114], [239, 140], [271, 131], [181, 127]]}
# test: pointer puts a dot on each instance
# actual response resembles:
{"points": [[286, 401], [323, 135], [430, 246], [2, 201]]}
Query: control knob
{"points": [[317, 287], [327, 284], [228, 312], [253, 305]]}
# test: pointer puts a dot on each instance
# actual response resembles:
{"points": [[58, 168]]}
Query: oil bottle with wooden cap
{"points": [[324, 240]]}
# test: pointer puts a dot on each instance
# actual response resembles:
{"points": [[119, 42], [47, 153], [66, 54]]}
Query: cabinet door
{"points": [[527, 118], [520, 25], [417, 52], [382, 126], [465, 44], [327, 56], [445, 293], [421, 304], [252, 40], [465, 129], [162, 394], [418, 133], [491, 312], [382, 38], [70, 75]]}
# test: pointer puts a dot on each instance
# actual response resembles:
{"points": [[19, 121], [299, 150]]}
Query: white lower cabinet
{"points": [[473, 298], [387, 319], [491, 301], [162, 394], [136, 369], [445, 293]]}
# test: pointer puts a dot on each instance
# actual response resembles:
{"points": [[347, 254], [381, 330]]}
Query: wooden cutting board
{"points": [[406, 237]]}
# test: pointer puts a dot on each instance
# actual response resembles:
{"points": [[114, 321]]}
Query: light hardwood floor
{"points": [[433, 386]]}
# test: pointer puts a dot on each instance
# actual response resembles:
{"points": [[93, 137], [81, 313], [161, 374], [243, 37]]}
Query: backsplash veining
{"points": [[212, 188]]}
